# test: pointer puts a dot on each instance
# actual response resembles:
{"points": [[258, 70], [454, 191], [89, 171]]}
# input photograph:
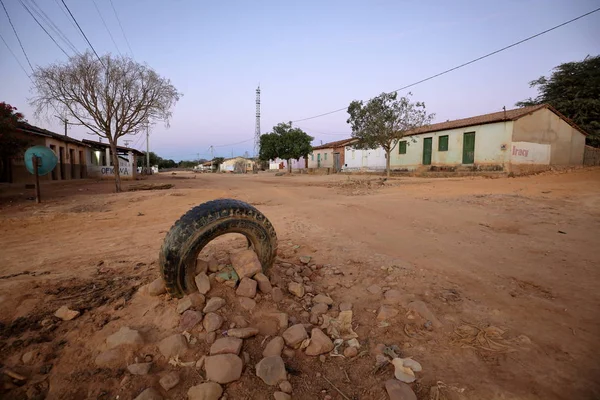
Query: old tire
{"points": [[196, 228]]}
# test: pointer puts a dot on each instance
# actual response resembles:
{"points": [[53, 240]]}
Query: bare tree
{"points": [[112, 97]]}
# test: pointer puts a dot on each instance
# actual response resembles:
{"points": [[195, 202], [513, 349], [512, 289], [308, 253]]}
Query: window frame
{"points": [[400, 143], [440, 142]]}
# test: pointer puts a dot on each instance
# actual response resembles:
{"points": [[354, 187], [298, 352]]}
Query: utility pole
{"points": [[148, 149], [65, 121], [257, 125]]}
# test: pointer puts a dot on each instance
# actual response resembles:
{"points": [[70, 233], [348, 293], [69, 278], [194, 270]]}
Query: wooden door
{"points": [[427, 146], [469, 148]]}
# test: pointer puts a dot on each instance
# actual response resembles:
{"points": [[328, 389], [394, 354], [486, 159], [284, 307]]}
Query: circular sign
{"points": [[47, 159]]}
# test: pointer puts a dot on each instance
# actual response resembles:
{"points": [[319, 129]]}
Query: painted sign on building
{"points": [[99, 171], [530, 153]]}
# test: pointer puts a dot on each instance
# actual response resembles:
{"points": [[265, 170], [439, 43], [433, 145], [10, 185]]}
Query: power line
{"points": [[40, 12], [16, 34], [44, 29], [466, 63], [81, 30], [233, 144], [122, 30], [106, 26], [15, 56], [67, 15]]}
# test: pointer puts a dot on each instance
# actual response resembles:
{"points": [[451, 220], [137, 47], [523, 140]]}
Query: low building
{"points": [[363, 159], [240, 165], [71, 154], [278, 163], [329, 155], [99, 160], [518, 140]]}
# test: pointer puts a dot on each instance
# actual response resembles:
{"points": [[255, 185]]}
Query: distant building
{"points": [[240, 165], [100, 161], [278, 163], [329, 155]]}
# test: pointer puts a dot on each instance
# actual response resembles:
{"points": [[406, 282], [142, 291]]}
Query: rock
{"points": [[213, 304], [350, 352], [392, 296], [213, 263], [345, 306], [205, 391], [197, 300], [212, 322], [28, 357], [271, 370], [397, 390], [139, 368], [282, 319], [247, 288], [226, 345], [184, 304], [245, 263], [374, 289], [174, 345], [157, 287], [203, 283], [223, 368], [285, 387], [294, 335], [421, 308], [169, 381], [66, 314], [125, 336], [402, 372], [190, 319], [247, 303], [320, 343], [323, 299], [211, 337], [242, 333], [378, 349], [314, 319], [305, 259], [240, 321], [200, 362], [201, 266], [322, 358], [386, 312], [319, 309], [274, 347], [281, 396], [149, 394], [297, 289], [108, 358], [264, 285], [277, 295]]}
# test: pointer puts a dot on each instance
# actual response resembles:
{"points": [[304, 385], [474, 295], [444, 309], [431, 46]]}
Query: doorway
{"points": [[61, 158], [54, 170], [427, 146], [468, 148], [318, 160], [336, 162], [73, 165]]}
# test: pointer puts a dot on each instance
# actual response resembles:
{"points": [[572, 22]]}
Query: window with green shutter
{"points": [[402, 147], [443, 143], [326, 156]]}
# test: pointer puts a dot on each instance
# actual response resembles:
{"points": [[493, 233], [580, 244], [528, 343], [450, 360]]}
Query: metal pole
{"points": [[38, 198], [66, 122]]}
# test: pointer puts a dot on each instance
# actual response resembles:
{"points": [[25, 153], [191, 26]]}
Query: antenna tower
{"points": [[257, 127]]}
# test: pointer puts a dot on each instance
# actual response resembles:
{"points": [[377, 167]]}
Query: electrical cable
{"points": [[16, 34], [122, 30], [44, 29], [466, 63], [106, 26], [15, 56], [81, 30], [35, 7]]}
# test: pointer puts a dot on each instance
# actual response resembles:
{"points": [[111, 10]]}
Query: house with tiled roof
{"points": [[329, 155], [522, 139]]}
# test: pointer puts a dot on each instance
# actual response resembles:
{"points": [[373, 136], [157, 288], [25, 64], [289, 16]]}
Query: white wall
{"points": [[364, 160], [530, 153], [492, 147]]}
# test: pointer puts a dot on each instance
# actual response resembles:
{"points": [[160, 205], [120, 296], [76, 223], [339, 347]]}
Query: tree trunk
{"points": [[115, 161], [290, 165], [387, 161]]}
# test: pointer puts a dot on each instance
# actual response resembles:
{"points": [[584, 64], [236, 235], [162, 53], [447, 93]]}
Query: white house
{"points": [[363, 160], [99, 160], [278, 163], [523, 139]]}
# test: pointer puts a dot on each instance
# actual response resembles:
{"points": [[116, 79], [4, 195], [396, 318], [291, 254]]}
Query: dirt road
{"points": [[519, 255]]}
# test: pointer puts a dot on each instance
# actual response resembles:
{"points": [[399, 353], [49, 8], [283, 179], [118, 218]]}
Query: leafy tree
{"points": [[384, 120], [216, 162], [10, 144], [286, 143], [573, 89], [165, 164], [111, 96], [187, 164]]}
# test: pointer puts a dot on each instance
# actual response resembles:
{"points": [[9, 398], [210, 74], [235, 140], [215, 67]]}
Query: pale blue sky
{"points": [[310, 57]]}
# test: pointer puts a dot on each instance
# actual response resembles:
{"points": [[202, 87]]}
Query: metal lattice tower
{"points": [[257, 127]]}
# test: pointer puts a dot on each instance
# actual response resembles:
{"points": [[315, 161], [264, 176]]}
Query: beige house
{"points": [[518, 140], [71, 154], [237, 164]]}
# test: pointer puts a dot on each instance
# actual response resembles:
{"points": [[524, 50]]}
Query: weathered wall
{"points": [[364, 160], [544, 127], [98, 171], [325, 163], [492, 143], [300, 163], [530, 153], [591, 156]]}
